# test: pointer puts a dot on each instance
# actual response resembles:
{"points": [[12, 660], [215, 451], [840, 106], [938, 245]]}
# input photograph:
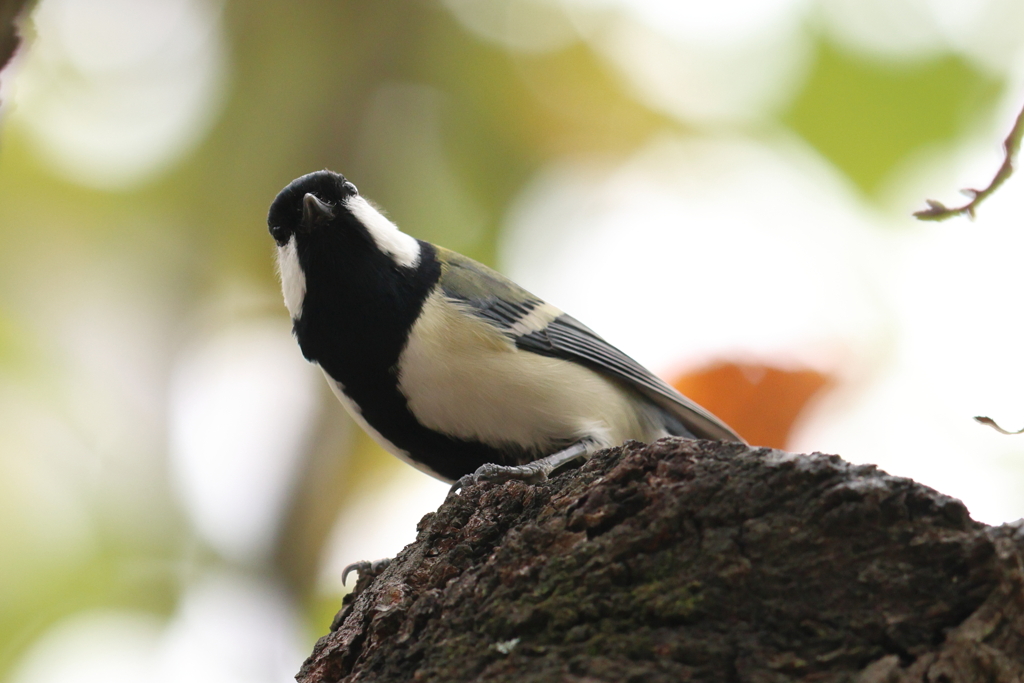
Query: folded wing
{"points": [[539, 327]]}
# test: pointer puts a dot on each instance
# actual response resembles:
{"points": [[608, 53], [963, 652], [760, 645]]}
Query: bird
{"points": [[446, 363]]}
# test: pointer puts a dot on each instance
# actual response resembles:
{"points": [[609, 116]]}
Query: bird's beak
{"points": [[315, 212]]}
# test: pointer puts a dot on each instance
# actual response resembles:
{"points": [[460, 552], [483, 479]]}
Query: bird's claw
{"points": [[365, 568]]}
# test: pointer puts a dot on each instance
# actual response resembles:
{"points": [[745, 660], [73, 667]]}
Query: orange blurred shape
{"points": [[760, 402]]}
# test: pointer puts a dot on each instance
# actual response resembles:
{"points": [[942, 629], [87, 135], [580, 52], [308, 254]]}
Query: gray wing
{"points": [[540, 328]]}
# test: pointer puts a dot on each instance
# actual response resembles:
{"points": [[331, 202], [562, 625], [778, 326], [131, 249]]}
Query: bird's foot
{"points": [[366, 569], [530, 473], [499, 474]]}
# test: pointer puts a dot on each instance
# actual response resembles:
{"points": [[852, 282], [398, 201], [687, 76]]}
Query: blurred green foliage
{"points": [[868, 116]]}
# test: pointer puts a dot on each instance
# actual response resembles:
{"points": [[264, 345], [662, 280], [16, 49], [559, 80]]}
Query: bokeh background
{"points": [[723, 189]]}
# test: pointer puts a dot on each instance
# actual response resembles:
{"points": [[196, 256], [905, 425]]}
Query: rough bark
{"points": [[692, 561]]}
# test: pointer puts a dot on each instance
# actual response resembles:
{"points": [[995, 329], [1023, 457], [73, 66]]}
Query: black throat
{"points": [[359, 305]]}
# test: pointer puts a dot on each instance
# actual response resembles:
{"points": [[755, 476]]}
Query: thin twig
{"points": [[992, 423], [936, 211]]}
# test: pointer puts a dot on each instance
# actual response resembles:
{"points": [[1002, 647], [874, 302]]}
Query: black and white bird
{"points": [[446, 363]]}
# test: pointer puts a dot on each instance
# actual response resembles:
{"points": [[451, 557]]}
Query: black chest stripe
{"points": [[355, 321]]}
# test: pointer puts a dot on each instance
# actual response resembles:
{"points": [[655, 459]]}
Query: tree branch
{"points": [[10, 10], [691, 560], [936, 211], [994, 425]]}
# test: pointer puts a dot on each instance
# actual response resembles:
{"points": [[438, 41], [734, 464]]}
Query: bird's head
{"points": [[321, 217], [323, 206], [308, 204]]}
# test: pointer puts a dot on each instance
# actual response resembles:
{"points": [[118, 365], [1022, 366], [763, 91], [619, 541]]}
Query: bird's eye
{"points": [[349, 187], [279, 233]]}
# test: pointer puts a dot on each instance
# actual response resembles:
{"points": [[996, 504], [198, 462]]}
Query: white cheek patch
{"points": [[403, 249], [293, 280]]}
